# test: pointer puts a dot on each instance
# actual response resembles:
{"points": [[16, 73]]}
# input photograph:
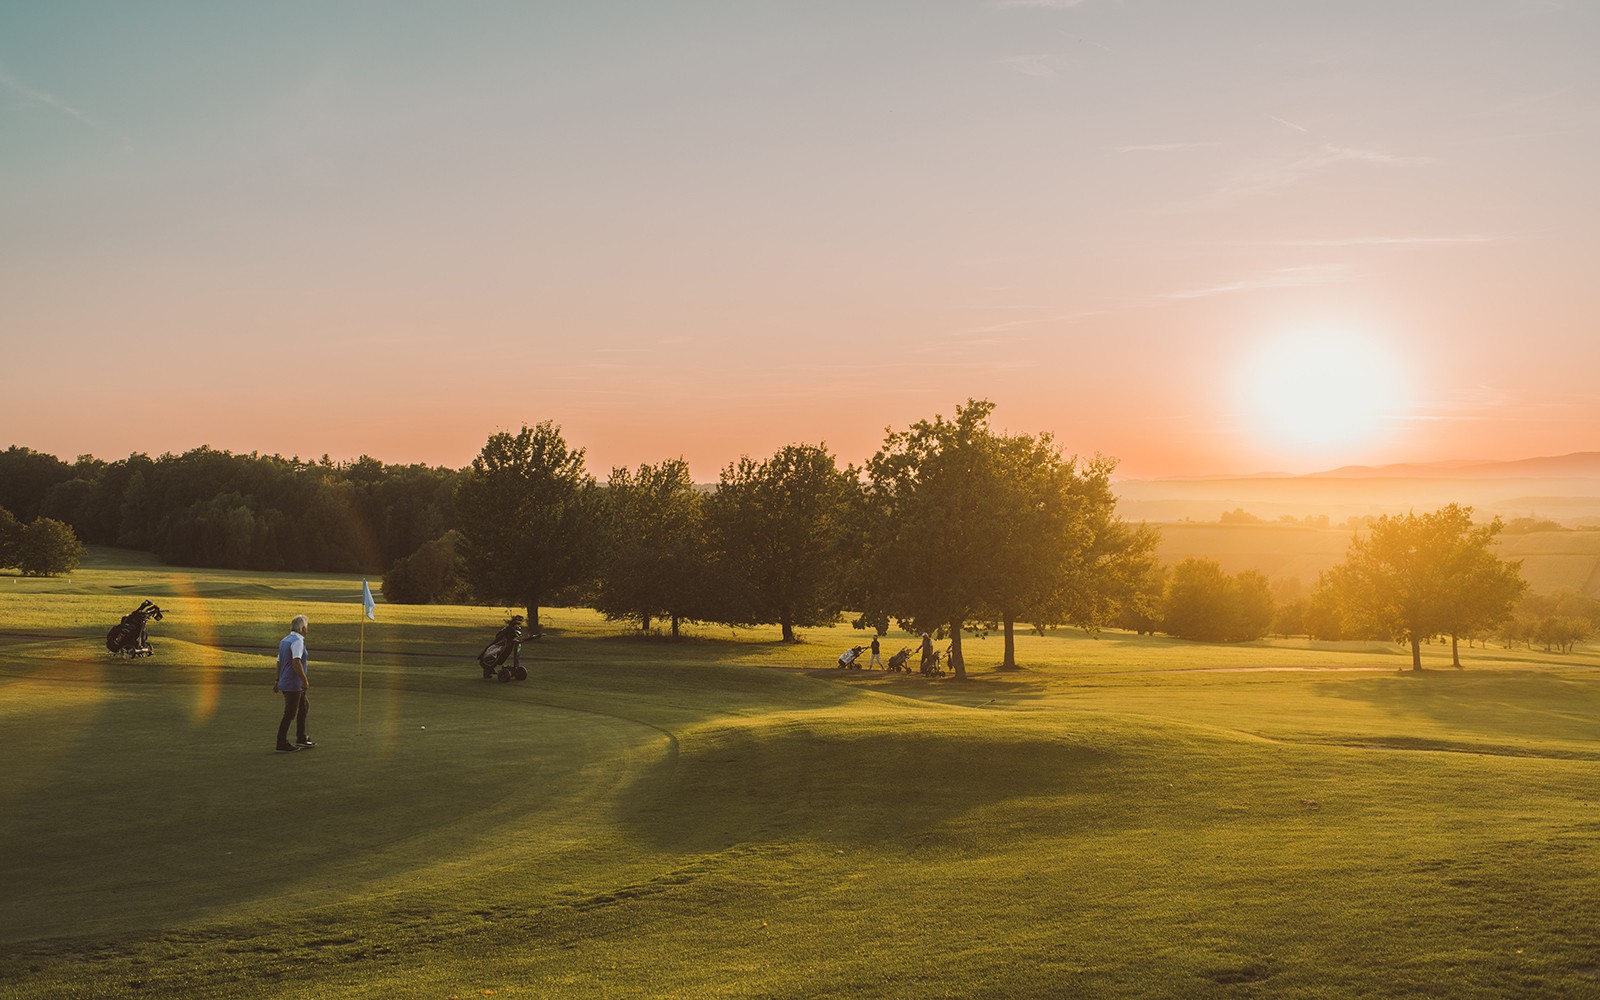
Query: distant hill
{"points": [[1564, 488], [1578, 465]]}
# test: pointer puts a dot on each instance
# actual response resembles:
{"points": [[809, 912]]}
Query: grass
{"points": [[1127, 816]]}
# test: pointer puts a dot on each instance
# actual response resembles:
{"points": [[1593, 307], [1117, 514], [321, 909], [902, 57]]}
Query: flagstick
{"points": [[361, 669]]}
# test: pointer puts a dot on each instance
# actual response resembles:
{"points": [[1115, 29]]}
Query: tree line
{"points": [[215, 509], [950, 526]]}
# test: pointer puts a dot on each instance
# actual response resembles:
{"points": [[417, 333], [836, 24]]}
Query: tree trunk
{"points": [[788, 630], [1416, 653], [674, 626], [1010, 660], [646, 624], [1455, 652], [958, 663], [533, 618]]}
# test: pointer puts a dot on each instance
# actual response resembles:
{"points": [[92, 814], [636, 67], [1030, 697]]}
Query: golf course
{"points": [[728, 815]]}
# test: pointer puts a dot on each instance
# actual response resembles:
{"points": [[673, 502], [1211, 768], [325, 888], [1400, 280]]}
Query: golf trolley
{"points": [[507, 644], [130, 637], [900, 662], [850, 659]]}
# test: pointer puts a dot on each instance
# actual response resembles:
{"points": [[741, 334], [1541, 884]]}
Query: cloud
{"points": [[1014, 324], [38, 96], [1282, 172], [1290, 124], [1283, 277], [1391, 241], [1166, 147]]}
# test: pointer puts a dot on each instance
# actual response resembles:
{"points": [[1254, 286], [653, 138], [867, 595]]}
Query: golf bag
{"points": [[850, 659], [507, 644], [900, 662], [130, 637], [931, 667]]}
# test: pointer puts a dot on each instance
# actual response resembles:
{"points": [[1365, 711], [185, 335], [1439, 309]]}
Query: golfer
{"points": [[293, 684], [875, 662]]}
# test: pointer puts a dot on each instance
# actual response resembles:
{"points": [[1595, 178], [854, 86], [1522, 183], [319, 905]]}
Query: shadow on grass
{"points": [[893, 782], [1457, 707]]}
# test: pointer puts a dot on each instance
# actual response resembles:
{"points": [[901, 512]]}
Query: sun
{"points": [[1320, 394]]}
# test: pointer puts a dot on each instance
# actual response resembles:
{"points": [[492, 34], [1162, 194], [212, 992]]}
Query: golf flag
{"points": [[366, 600]]}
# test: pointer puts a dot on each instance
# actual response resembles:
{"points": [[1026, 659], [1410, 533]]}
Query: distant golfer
{"points": [[927, 652], [875, 662], [293, 684]]}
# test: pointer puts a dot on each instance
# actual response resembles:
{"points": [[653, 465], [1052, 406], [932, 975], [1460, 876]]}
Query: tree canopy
{"points": [[1417, 576], [528, 517], [653, 549], [775, 529]]}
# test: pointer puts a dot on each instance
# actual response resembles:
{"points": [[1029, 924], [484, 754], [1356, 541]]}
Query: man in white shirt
{"points": [[293, 684]]}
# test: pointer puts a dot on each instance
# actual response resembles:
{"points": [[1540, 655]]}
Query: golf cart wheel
{"points": [[520, 673], [504, 675]]}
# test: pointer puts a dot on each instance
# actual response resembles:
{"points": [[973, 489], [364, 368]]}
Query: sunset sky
{"points": [[1219, 237]]}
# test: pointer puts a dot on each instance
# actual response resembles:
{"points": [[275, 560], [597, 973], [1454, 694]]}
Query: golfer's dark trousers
{"points": [[294, 710]]}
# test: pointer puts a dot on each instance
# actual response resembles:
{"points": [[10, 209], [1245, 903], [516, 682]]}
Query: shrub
{"points": [[48, 548]]}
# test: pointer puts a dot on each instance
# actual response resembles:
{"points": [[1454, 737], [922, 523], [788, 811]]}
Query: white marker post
{"points": [[361, 667]]}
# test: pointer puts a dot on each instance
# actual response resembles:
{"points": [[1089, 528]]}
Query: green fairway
{"points": [[728, 816]]}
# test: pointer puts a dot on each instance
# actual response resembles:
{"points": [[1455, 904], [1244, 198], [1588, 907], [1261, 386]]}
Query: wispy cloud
{"points": [[1045, 66], [1289, 124], [1390, 241], [38, 96], [1282, 172], [1166, 147], [1016, 324], [1283, 277]]}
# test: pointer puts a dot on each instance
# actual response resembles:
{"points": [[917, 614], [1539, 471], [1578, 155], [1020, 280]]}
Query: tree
{"points": [[1418, 576], [1139, 605], [654, 552], [1485, 588], [1253, 607], [1198, 603], [431, 575], [1064, 556], [10, 539], [1205, 603], [775, 531], [1039, 532], [48, 548], [527, 515], [933, 492], [25, 477]]}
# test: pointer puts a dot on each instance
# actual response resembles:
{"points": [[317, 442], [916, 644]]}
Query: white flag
{"points": [[366, 600]]}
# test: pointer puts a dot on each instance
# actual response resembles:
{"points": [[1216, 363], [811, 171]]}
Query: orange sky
{"points": [[714, 230]]}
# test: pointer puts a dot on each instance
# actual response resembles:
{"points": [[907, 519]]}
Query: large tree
{"points": [[527, 512], [933, 493], [654, 552], [1062, 555], [775, 529], [1417, 576]]}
